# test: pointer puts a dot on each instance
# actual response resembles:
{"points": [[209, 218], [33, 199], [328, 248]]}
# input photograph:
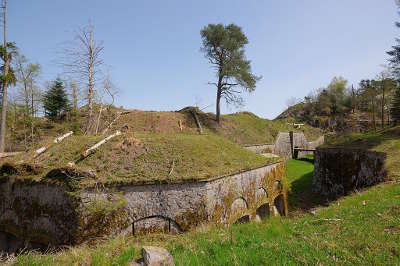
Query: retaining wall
{"points": [[282, 145], [33, 214], [260, 148], [339, 171]]}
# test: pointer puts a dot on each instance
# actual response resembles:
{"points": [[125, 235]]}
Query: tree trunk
{"points": [[90, 89], [5, 85], [75, 96], [383, 105], [373, 114], [219, 92]]}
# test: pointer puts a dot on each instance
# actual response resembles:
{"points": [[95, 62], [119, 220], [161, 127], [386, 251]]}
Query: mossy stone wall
{"points": [[339, 171]]}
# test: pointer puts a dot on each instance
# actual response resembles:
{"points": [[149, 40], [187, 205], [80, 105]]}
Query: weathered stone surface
{"points": [[281, 146], [339, 171], [156, 256], [50, 215], [260, 148]]}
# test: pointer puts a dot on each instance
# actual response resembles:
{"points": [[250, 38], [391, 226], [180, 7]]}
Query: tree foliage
{"points": [[11, 52], [56, 101], [223, 46], [395, 106]]}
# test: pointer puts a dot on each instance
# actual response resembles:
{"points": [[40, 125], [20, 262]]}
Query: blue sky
{"points": [[153, 47]]}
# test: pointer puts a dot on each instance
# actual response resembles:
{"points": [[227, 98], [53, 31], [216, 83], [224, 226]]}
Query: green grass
{"points": [[300, 195], [149, 157], [247, 128], [360, 229]]}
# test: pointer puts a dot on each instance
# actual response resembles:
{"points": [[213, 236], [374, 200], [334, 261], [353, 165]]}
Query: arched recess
{"points": [[155, 223], [243, 219], [263, 211], [279, 204], [239, 204], [261, 194]]}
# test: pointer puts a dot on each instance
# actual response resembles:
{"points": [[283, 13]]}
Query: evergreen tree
{"points": [[395, 108], [55, 100], [224, 46]]}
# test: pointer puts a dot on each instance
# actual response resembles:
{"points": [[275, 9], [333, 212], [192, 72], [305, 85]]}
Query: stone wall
{"points": [[339, 171], [260, 148], [37, 214], [282, 145]]}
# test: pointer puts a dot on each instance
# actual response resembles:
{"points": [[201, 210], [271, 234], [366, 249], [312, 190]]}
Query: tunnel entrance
{"points": [[279, 204], [12, 244], [243, 219], [263, 211]]}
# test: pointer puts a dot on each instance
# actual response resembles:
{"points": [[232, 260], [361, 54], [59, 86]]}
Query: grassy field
{"points": [[362, 228]]}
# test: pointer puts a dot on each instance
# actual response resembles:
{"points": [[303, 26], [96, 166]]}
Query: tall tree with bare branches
{"points": [[83, 59]]}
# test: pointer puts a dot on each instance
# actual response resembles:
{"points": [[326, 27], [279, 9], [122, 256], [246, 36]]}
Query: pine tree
{"points": [[395, 108], [56, 101]]}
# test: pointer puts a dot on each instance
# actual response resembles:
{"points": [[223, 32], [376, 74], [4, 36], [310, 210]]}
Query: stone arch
{"points": [[239, 204], [278, 186], [279, 205], [261, 194], [155, 223]]}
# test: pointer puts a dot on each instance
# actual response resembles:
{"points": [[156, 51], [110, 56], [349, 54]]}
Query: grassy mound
{"points": [[242, 128], [143, 158], [247, 128]]}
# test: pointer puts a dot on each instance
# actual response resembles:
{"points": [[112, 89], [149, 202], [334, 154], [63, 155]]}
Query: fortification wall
{"points": [[339, 171], [260, 148], [37, 214]]}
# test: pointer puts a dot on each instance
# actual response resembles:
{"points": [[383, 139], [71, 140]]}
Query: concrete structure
{"points": [[339, 171], [283, 146], [39, 214]]}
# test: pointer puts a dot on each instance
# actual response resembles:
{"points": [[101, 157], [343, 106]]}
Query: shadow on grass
{"points": [[301, 198]]}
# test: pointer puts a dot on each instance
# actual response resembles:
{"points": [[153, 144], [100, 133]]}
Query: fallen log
{"points": [[8, 154], [66, 135], [98, 144], [39, 151]]}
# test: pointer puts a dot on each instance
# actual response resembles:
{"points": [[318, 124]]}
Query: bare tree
{"points": [[27, 74], [83, 60], [109, 89], [74, 88]]}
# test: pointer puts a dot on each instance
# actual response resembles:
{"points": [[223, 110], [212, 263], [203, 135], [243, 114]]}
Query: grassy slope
{"points": [[241, 128], [346, 232], [151, 156], [248, 128]]}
